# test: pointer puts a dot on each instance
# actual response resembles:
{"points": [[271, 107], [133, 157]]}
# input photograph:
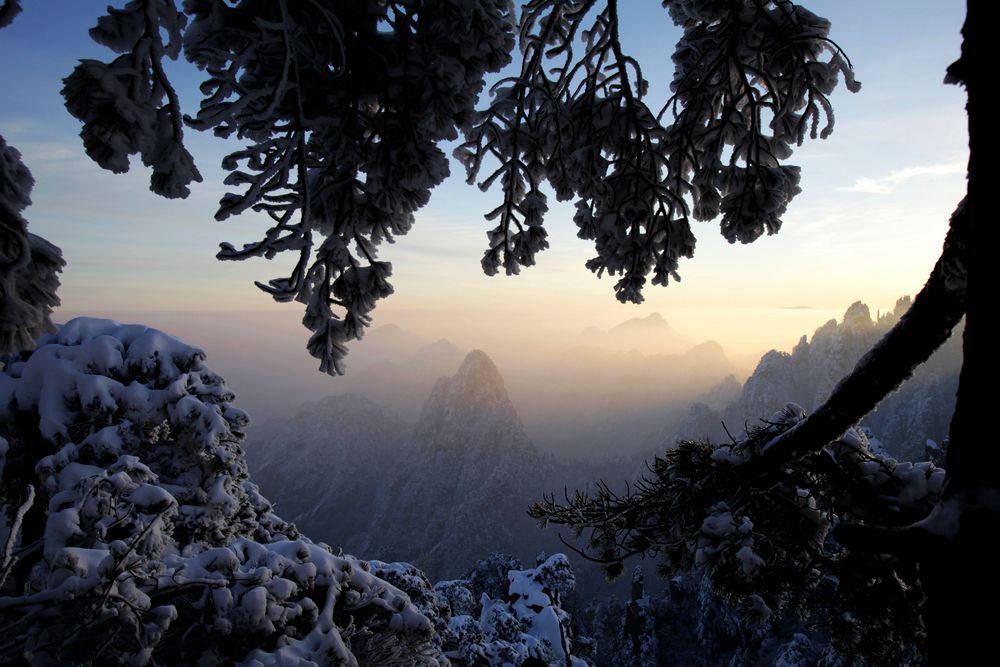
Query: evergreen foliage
{"points": [[343, 106], [777, 543], [29, 265]]}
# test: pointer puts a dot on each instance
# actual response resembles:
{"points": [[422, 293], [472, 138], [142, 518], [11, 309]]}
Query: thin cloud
{"points": [[50, 152], [886, 184]]}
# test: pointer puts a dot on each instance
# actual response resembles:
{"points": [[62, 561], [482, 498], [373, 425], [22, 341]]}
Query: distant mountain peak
{"points": [[473, 398], [478, 367], [442, 351], [477, 384], [710, 349], [653, 321], [858, 316], [390, 329]]}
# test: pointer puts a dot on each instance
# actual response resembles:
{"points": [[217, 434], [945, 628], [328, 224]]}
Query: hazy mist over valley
{"points": [[423, 423], [583, 390], [623, 389]]}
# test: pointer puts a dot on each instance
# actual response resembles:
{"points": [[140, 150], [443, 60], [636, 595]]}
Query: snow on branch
{"points": [[772, 542], [29, 265], [146, 541], [752, 79]]}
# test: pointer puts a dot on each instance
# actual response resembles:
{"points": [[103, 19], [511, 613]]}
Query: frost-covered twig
{"points": [[9, 560], [752, 79]]}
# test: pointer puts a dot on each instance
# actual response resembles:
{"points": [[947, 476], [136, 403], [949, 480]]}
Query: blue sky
{"points": [[868, 225]]}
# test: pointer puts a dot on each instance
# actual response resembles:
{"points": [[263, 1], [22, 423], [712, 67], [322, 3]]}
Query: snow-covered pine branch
{"points": [[29, 265], [773, 541], [752, 79], [343, 106]]}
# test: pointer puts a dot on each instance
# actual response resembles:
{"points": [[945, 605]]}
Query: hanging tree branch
{"points": [[341, 105]]}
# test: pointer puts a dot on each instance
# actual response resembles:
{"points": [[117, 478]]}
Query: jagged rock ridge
{"points": [[920, 409]]}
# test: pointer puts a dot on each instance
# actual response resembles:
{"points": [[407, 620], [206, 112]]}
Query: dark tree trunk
{"points": [[962, 568]]}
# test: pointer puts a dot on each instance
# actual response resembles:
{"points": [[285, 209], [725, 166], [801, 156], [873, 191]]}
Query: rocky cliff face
{"points": [[470, 411], [325, 465]]}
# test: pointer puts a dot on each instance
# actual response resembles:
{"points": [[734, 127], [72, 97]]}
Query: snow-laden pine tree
{"points": [[134, 535]]}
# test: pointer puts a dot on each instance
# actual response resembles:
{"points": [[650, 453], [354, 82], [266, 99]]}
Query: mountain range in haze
{"points": [[605, 390], [451, 486], [649, 335], [920, 409], [443, 493]]}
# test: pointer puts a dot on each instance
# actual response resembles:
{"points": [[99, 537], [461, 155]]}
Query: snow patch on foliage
{"points": [[148, 525]]}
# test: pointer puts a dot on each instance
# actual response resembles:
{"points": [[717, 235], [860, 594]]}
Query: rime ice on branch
{"points": [[343, 106], [752, 79]]}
